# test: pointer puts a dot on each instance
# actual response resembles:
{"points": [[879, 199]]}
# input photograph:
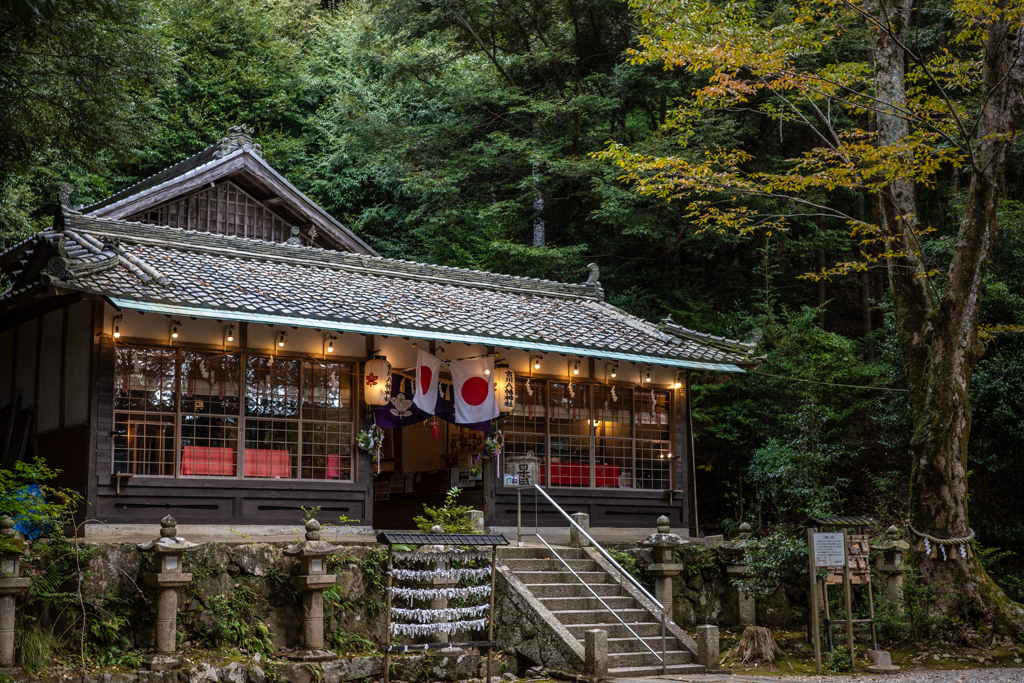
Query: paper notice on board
{"points": [[829, 550]]}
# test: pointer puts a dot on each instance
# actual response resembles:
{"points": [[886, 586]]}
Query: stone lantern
{"points": [[312, 580], [663, 547], [168, 555], [890, 565], [11, 584]]}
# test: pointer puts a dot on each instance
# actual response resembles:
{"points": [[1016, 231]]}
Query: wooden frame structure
{"points": [[420, 540]]}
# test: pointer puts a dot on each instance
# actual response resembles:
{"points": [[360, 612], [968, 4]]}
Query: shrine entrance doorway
{"points": [[419, 464]]}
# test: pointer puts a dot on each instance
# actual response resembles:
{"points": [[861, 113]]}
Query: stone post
{"points": [[168, 553], [595, 653], [707, 647], [576, 539], [663, 546], [747, 606], [890, 565], [312, 580], [11, 583]]}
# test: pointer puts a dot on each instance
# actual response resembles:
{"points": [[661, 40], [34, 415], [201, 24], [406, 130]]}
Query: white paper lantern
{"points": [[377, 381], [504, 387]]}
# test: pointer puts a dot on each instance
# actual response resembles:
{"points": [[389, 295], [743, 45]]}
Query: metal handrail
{"points": [[601, 550], [592, 592]]}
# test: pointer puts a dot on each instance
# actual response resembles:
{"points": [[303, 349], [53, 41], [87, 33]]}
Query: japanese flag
{"points": [[428, 367], [474, 393]]}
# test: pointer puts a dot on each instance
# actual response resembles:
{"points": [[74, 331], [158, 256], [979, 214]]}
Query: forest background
{"points": [[462, 132]]}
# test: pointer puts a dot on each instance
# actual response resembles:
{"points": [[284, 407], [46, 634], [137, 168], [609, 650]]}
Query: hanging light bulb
{"points": [[231, 333], [280, 338], [615, 370], [330, 347], [174, 328], [648, 377], [117, 327], [536, 362], [576, 368], [329, 342]]}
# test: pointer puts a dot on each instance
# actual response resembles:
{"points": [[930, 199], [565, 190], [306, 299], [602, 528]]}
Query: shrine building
{"points": [[209, 342]]}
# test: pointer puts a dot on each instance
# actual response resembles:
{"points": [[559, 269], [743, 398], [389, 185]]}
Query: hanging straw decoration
{"points": [[960, 547]]}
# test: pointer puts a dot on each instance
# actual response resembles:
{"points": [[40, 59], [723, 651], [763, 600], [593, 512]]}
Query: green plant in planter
{"points": [[451, 517]]}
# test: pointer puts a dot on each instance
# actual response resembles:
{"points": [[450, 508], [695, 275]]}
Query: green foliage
{"points": [[35, 647], [45, 512], [774, 561], [838, 660], [451, 517], [235, 620]]}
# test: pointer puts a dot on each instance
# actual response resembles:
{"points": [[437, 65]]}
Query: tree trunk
{"points": [[939, 327]]}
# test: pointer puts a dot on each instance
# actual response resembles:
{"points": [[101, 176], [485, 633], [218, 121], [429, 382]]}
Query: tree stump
{"points": [[757, 644]]}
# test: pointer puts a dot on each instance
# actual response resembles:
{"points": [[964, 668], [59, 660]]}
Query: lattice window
{"points": [[144, 411], [653, 439], [526, 427], [298, 416], [569, 423], [209, 414], [225, 209], [327, 420], [271, 417], [613, 437]]}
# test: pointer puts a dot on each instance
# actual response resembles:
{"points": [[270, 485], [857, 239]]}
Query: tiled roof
{"points": [[238, 278]]}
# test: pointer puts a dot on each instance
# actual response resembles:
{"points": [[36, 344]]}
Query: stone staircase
{"points": [[566, 600]]}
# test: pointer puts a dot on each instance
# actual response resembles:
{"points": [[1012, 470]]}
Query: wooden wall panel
{"points": [[7, 362], [79, 354], [50, 347], [25, 365], [225, 209]]}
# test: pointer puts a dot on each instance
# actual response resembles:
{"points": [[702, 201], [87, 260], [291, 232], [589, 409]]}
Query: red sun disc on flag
{"points": [[475, 390], [424, 379]]}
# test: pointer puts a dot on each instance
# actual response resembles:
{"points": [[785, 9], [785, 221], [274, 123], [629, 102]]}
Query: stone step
{"points": [[518, 564], [576, 589], [648, 629], [589, 603], [523, 553], [631, 644], [640, 671], [630, 616], [531, 577], [620, 659]]}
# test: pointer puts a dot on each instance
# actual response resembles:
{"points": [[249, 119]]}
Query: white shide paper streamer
{"points": [[446, 555], [446, 627], [440, 574], [425, 616], [435, 593]]}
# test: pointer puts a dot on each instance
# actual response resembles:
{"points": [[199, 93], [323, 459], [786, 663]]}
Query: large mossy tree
{"points": [[890, 96]]}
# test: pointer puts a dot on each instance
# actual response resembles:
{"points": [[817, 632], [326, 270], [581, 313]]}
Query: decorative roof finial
{"points": [[64, 195], [239, 137], [168, 527], [595, 274]]}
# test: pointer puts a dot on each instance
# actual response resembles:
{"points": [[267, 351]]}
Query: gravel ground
{"points": [[990, 675]]}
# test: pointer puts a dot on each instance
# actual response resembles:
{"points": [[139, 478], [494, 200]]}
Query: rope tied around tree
{"points": [[930, 545]]}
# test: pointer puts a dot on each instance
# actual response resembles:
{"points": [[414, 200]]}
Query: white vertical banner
{"points": [[428, 368], [474, 390]]}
